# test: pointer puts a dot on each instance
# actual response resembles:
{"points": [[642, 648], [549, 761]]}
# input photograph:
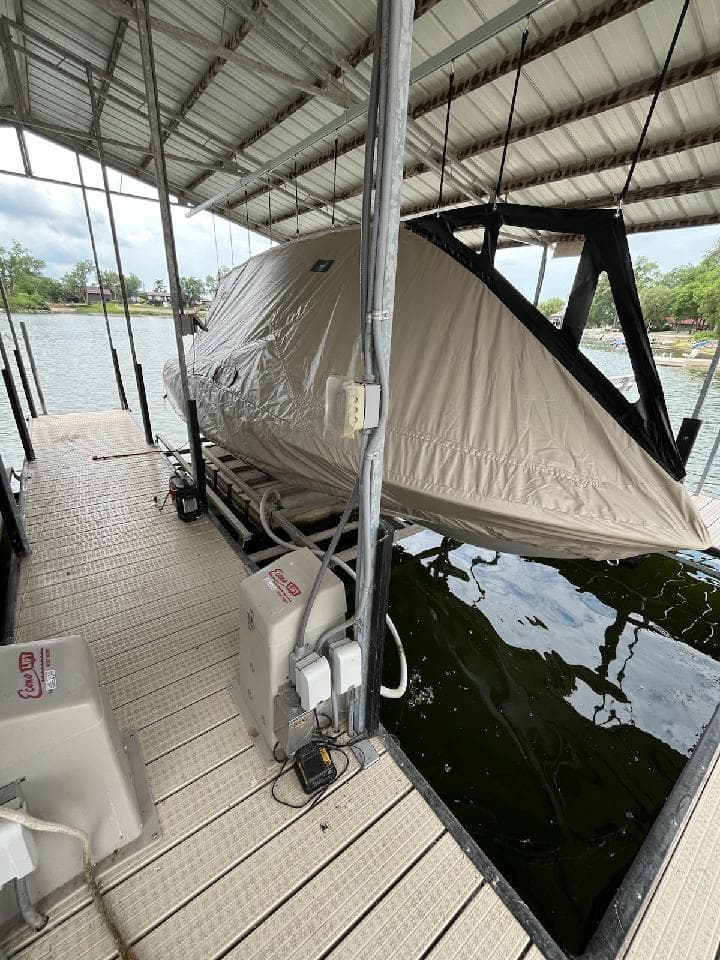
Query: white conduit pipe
{"points": [[389, 693]]}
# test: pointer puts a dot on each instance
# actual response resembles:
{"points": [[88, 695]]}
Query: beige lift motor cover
{"points": [[489, 438], [58, 735]]}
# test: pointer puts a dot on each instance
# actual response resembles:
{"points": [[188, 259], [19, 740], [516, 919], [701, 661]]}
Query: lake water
{"points": [[552, 705]]}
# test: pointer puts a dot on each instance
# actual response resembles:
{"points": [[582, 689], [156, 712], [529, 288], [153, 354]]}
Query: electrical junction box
{"points": [[59, 738], [271, 606], [350, 406], [346, 660], [312, 681]]}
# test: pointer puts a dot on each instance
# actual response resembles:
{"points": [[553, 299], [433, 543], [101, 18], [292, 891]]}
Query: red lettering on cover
{"points": [[32, 688]]}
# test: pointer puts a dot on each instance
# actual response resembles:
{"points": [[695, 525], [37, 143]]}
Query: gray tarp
{"points": [[489, 438]]}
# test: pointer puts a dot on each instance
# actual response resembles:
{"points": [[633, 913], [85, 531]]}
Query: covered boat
{"points": [[500, 431]]}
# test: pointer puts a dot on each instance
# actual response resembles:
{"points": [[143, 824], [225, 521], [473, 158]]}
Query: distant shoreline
{"points": [[114, 309]]}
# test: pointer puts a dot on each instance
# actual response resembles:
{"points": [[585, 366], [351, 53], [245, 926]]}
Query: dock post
{"points": [[11, 515], [158, 153], [31, 358], [113, 352], [706, 382], [18, 355], [118, 261], [387, 118], [15, 405]]}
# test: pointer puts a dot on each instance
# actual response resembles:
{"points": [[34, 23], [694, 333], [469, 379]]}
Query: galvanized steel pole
{"points": [[31, 358], [158, 151], [18, 355], [116, 245], [707, 381], [113, 351], [541, 275], [395, 48]]}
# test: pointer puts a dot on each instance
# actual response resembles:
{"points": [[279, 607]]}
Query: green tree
{"points": [[16, 265], [550, 306], [647, 273], [602, 311], [709, 298], [192, 289], [657, 304], [133, 285], [111, 281], [76, 280], [159, 287]]}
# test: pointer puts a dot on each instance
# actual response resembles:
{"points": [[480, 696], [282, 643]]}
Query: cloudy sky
{"points": [[50, 221]]}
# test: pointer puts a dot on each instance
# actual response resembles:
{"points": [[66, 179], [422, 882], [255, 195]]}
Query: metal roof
{"points": [[243, 81]]}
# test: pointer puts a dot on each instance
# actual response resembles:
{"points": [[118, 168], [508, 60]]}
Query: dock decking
{"points": [[709, 508], [371, 871]]}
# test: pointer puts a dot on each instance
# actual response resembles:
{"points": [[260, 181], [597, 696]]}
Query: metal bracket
{"points": [[365, 752]]}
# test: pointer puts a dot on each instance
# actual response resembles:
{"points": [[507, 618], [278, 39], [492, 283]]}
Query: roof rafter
{"points": [[240, 32], [356, 56], [112, 60], [602, 15], [584, 109], [651, 151]]}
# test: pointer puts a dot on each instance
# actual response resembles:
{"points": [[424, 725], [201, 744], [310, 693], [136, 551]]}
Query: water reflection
{"points": [[552, 706]]}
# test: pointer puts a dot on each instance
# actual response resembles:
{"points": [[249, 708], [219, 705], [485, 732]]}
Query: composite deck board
{"points": [[369, 871], [709, 508]]}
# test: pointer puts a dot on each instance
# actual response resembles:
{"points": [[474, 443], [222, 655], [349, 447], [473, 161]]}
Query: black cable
{"points": [[451, 90], [523, 44], [658, 90], [247, 221], [314, 798], [334, 181], [297, 205], [269, 209]]}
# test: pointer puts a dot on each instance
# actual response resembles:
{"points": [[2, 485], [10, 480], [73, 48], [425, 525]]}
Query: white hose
{"points": [[47, 826], [389, 693]]}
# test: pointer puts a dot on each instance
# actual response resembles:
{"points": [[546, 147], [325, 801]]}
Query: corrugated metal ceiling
{"points": [[236, 79]]}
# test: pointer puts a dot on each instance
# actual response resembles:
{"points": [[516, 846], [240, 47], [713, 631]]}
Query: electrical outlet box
{"points": [[346, 660], [344, 406], [271, 606], [312, 680]]}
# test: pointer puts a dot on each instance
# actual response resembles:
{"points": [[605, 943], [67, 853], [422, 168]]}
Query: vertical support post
{"points": [[118, 261], [706, 382], [17, 93], [18, 356], [389, 100], [11, 516], [158, 151], [541, 275], [31, 358], [113, 352], [15, 404], [383, 563]]}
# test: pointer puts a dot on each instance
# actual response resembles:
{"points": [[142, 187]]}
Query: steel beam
{"points": [[16, 91], [356, 56], [112, 60], [603, 14], [490, 29], [150, 77], [209, 74]]}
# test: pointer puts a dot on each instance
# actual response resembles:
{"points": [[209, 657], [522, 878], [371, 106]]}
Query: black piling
{"points": [[11, 515], [15, 404], [17, 354]]}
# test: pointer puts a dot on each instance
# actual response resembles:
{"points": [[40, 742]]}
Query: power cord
{"points": [[314, 798]]}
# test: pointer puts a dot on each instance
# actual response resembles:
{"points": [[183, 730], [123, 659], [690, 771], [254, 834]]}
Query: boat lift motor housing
{"points": [[60, 739], [271, 606], [183, 492]]}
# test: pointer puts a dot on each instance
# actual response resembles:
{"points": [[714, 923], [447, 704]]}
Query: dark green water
{"points": [[552, 706]]}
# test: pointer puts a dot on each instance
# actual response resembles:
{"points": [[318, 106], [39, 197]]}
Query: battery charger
{"points": [[314, 767]]}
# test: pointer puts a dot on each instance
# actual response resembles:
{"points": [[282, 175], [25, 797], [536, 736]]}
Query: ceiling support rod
{"points": [[16, 90], [158, 151]]}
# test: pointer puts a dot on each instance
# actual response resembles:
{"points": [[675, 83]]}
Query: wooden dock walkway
{"points": [[371, 871]]}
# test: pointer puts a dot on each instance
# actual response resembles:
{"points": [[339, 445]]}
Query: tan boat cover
{"points": [[489, 438]]}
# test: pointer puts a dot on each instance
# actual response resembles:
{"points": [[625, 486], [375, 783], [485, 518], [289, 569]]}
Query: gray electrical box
{"points": [[293, 725]]}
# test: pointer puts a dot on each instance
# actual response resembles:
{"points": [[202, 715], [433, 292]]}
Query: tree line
{"points": [[691, 292], [29, 288]]}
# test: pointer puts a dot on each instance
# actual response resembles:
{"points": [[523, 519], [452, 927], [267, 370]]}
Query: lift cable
{"points": [[523, 44], [269, 209], [451, 90], [232, 252], [247, 222], [658, 90]]}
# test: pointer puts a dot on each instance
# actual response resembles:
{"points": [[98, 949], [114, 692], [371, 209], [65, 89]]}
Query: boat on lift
{"points": [[500, 431]]}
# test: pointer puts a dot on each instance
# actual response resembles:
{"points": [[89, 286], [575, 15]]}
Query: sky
{"points": [[50, 221]]}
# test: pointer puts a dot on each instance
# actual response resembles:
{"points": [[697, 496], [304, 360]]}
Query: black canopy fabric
{"points": [[606, 250]]}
